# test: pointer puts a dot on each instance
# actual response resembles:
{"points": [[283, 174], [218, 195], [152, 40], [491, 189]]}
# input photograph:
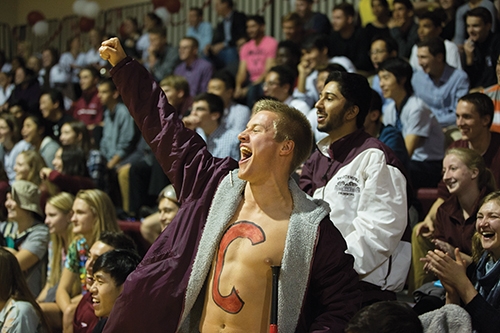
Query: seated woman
{"points": [[468, 180], [482, 299], [10, 143], [28, 165], [75, 133], [154, 224], [70, 170], [35, 132], [25, 234], [58, 218], [18, 310], [93, 213]]}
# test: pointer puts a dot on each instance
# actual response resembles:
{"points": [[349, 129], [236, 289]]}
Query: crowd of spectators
{"points": [[401, 96]]}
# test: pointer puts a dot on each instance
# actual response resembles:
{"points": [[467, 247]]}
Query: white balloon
{"points": [[163, 13], [79, 7], [91, 9], [41, 28]]}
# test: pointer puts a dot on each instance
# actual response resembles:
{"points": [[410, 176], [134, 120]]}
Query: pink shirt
{"points": [[256, 55]]}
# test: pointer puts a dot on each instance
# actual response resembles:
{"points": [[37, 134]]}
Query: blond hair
{"points": [[62, 202], [35, 162], [103, 209]]}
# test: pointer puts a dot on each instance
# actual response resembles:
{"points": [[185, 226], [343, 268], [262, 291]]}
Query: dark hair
{"points": [[11, 121], [40, 123], [435, 45], [286, 76], [481, 12], [80, 128], [384, 3], [133, 20], [434, 17], [109, 82], [155, 18], [406, 3], [193, 40], [162, 31], [401, 69], [215, 103], [93, 71], [13, 284], [56, 96], [390, 43], [347, 8], [229, 3], [355, 89], [117, 240], [375, 102], [385, 317], [74, 162], [198, 11], [118, 264], [331, 67], [482, 104], [319, 42], [54, 53], [259, 19], [293, 47], [226, 77]]}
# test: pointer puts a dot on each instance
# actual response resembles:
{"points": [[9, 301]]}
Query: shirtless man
{"points": [[210, 271]]}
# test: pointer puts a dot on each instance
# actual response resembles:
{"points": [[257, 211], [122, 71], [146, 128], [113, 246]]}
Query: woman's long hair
{"points": [[103, 209], [13, 284], [62, 202]]}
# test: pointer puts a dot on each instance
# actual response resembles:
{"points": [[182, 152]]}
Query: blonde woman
{"points": [[28, 165], [93, 213], [58, 218]]}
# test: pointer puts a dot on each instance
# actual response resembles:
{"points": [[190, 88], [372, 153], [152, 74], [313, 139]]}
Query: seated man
{"points": [[403, 27], [110, 272], [365, 185], [84, 318], [430, 25], [279, 84], [212, 270], [437, 83], [206, 119], [236, 115], [423, 136], [256, 58]]}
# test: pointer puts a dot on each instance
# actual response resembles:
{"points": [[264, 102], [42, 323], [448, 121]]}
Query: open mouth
{"points": [[246, 153], [487, 234]]}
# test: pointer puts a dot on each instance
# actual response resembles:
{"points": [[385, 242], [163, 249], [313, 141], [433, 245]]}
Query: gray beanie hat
{"points": [[27, 196]]}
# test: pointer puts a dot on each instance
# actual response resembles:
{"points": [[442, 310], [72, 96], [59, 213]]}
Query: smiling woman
{"points": [[481, 300]]}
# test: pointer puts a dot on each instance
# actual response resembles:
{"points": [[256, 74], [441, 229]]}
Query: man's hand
{"points": [[191, 121], [425, 229], [112, 51]]}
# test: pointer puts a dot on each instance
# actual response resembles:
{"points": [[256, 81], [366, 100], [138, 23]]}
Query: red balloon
{"points": [[173, 6], [86, 24], [34, 16], [159, 3]]}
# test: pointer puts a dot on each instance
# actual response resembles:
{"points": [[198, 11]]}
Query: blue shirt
{"points": [[203, 34], [442, 96], [197, 75]]}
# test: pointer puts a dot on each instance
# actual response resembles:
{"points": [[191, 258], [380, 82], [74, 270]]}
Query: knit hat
{"points": [[27, 196]]}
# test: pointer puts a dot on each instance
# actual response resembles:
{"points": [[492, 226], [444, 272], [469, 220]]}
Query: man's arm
{"points": [[382, 216], [179, 150], [412, 142]]}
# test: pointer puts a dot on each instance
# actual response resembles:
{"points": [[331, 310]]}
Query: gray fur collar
{"points": [[297, 258]]}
